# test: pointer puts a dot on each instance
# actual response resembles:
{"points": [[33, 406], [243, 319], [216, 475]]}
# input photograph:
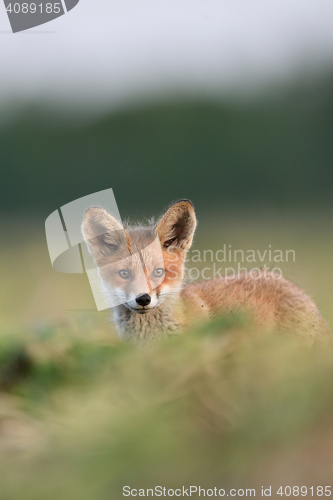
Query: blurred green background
{"points": [[269, 151]]}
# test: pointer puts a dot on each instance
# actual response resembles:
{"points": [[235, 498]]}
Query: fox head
{"points": [[140, 266]]}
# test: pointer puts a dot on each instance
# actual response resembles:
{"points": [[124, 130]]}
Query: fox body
{"points": [[142, 271]]}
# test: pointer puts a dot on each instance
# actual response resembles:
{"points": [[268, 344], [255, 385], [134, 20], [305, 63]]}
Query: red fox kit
{"points": [[142, 271]]}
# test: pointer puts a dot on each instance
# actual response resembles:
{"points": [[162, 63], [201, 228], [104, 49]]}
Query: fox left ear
{"points": [[176, 227], [103, 234]]}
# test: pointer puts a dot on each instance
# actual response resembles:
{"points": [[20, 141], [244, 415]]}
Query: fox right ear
{"points": [[176, 227], [103, 234]]}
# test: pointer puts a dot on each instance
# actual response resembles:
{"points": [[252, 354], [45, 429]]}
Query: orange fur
{"points": [[269, 301]]}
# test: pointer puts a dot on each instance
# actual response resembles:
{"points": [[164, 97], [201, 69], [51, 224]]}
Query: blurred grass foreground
{"points": [[82, 417]]}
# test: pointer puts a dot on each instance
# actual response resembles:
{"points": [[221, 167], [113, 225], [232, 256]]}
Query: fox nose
{"points": [[143, 300]]}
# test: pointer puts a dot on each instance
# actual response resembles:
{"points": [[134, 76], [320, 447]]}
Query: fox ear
{"points": [[103, 234], [176, 227]]}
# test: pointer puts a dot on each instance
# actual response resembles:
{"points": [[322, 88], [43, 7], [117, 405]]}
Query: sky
{"points": [[106, 53]]}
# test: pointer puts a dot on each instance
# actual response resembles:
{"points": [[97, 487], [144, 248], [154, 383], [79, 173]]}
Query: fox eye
{"points": [[124, 274], [158, 272]]}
